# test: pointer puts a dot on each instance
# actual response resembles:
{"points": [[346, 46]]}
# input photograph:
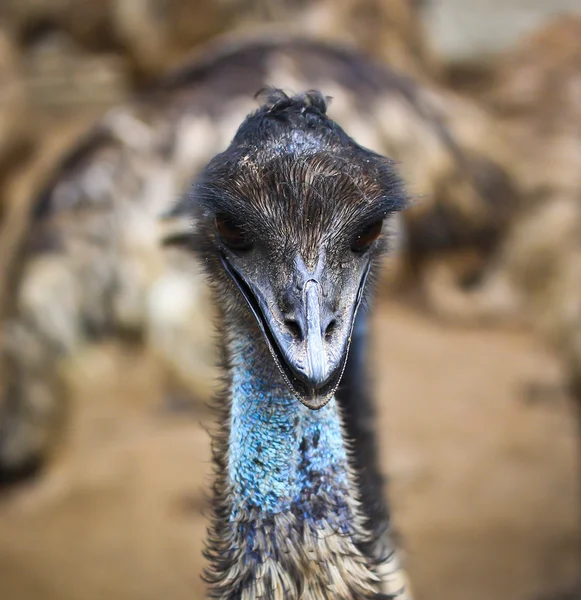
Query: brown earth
{"points": [[479, 441]]}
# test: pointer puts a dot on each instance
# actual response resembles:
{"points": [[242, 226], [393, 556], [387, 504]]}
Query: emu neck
{"points": [[283, 456], [287, 523]]}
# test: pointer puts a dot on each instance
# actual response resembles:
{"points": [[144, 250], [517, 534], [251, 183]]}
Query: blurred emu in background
{"points": [[92, 266]]}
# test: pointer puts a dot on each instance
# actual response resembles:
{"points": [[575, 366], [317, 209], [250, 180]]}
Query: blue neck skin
{"points": [[282, 455]]}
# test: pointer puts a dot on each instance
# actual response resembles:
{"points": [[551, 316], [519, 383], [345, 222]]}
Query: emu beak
{"points": [[310, 340], [316, 370]]}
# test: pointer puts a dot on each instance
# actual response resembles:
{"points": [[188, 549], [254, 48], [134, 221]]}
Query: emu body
{"points": [[91, 265]]}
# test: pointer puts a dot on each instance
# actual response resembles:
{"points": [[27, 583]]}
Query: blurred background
{"points": [[107, 358]]}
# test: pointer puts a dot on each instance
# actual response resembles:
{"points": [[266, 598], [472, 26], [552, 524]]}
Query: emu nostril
{"points": [[294, 328], [330, 329]]}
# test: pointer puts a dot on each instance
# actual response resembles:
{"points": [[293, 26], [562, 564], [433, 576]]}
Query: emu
{"points": [[290, 224]]}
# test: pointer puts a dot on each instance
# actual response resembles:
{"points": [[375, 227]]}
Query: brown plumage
{"points": [[92, 265]]}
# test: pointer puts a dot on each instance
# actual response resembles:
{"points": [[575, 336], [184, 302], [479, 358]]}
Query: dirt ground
{"points": [[478, 439]]}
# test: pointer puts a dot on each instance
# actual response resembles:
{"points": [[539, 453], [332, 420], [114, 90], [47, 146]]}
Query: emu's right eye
{"points": [[232, 234], [366, 237]]}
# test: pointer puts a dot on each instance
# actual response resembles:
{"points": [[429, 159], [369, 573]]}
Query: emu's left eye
{"points": [[231, 233], [363, 240]]}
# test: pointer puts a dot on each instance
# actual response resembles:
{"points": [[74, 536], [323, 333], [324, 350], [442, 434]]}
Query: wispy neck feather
{"points": [[282, 455], [287, 523]]}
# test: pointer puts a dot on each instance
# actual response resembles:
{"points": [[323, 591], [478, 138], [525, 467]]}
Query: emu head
{"points": [[290, 222]]}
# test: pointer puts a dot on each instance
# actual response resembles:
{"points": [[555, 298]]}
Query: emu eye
{"points": [[232, 234], [363, 240]]}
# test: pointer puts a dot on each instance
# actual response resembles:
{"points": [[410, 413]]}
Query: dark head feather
{"points": [[292, 170]]}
